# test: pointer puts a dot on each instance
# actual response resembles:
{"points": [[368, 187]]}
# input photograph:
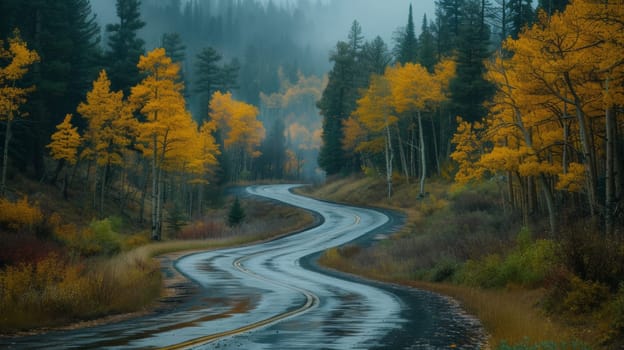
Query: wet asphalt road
{"points": [[273, 296]]}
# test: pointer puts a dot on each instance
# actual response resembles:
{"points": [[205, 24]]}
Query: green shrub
{"points": [[527, 265], [584, 296], [236, 214], [105, 237], [482, 273], [443, 271], [615, 310], [526, 345]]}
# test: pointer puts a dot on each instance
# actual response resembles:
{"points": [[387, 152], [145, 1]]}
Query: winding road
{"points": [[273, 296]]}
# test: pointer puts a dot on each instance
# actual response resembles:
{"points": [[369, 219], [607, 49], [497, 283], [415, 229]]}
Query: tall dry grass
{"points": [[82, 279], [54, 291]]}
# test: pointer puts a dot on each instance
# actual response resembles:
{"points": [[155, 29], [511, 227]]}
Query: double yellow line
{"points": [[311, 301]]}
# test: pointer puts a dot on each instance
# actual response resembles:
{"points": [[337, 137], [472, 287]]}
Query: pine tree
{"points": [[236, 214], [125, 47], [552, 6], [449, 15], [228, 77], [426, 49], [469, 89], [407, 45], [174, 47], [336, 104], [521, 14], [375, 56], [65, 33]]}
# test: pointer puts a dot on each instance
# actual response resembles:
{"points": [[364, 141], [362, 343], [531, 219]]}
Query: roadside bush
{"points": [[569, 294], [99, 238], [54, 291], [203, 229], [468, 201], [19, 215], [106, 237], [616, 312], [482, 273], [443, 271], [584, 296], [593, 256], [527, 265], [526, 345]]}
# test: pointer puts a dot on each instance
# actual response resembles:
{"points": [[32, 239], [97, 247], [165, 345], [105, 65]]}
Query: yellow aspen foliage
{"points": [[238, 123], [65, 141], [573, 180], [468, 146], [18, 59], [159, 99], [111, 126], [414, 88], [19, 214]]}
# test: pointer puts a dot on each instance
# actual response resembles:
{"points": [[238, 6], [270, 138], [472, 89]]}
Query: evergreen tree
{"points": [[272, 162], [375, 56], [228, 77], [65, 34], [449, 15], [336, 104], [175, 48], [236, 214], [469, 89], [125, 47], [207, 71], [552, 6], [521, 14], [407, 45], [355, 38], [426, 49]]}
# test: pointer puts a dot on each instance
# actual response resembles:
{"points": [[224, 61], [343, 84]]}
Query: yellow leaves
{"points": [[573, 180], [374, 108], [467, 152], [111, 125], [19, 214], [237, 121], [19, 58], [414, 88], [65, 141]]}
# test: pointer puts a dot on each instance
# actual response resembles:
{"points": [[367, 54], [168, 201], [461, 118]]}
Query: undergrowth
{"points": [[466, 243]]}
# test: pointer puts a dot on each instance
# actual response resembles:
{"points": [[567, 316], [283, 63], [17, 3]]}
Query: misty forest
{"points": [[129, 129]]}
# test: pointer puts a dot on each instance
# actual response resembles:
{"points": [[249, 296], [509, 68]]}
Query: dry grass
{"points": [[65, 287], [507, 315]]}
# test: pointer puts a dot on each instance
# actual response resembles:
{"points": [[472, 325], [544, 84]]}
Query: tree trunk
{"points": [[155, 194], [550, 205], [103, 190], [402, 155], [389, 161], [610, 199], [423, 160], [5, 154], [435, 146], [588, 153]]}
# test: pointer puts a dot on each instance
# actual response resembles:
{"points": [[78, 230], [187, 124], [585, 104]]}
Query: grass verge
{"points": [[444, 231]]}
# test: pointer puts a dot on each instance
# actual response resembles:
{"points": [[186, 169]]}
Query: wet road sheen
{"points": [[271, 296]]}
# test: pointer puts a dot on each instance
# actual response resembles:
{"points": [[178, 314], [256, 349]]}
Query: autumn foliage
{"points": [[555, 122]]}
